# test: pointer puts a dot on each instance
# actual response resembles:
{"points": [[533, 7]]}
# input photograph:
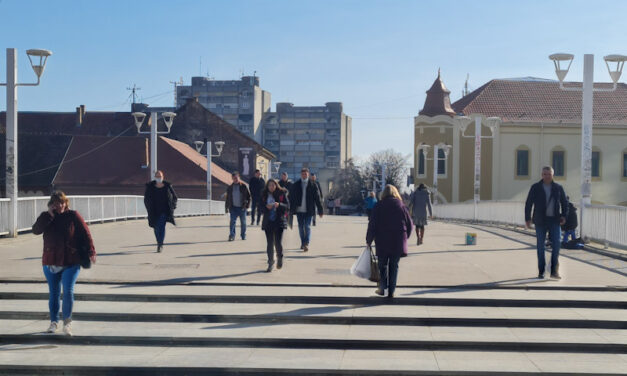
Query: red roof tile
{"points": [[540, 101]]}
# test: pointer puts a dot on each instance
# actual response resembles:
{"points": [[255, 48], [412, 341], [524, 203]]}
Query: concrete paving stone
{"points": [[472, 334], [390, 359], [294, 358], [559, 335], [591, 363], [484, 361], [613, 336], [201, 357]]}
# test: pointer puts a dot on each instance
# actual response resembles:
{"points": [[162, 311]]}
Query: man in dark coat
{"points": [[314, 179], [285, 182], [160, 201], [304, 200], [256, 185], [237, 201], [550, 210]]}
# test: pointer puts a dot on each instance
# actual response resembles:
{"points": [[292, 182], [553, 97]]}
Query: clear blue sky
{"points": [[377, 57]]}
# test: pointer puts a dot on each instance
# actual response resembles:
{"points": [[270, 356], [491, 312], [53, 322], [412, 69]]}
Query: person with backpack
{"points": [[571, 223]]}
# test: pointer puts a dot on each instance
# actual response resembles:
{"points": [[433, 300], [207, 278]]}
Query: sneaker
{"points": [[54, 326], [279, 263], [243, 238], [302, 247], [391, 295], [555, 276], [379, 291], [306, 248], [159, 248], [541, 276], [67, 328], [270, 266], [231, 238]]}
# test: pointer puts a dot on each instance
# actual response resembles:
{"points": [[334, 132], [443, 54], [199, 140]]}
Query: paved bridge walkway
{"points": [[206, 306]]}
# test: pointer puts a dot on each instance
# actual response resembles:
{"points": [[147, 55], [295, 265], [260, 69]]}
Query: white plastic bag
{"points": [[361, 267]]}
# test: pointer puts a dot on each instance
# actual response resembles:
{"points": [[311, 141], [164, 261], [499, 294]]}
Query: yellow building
{"points": [[540, 125]]}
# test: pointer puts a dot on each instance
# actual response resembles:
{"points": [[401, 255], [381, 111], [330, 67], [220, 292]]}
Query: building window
{"points": [[441, 162], [596, 164], [522, 162], [558, 161], [421, 163]]}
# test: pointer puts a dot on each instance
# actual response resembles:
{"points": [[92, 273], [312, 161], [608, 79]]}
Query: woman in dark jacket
{"points": [[390, 226], [64, 232], [160, 201], [275, 207]]}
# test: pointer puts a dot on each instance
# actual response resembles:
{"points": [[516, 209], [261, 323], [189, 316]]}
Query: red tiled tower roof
{"points": [[438, 101]]}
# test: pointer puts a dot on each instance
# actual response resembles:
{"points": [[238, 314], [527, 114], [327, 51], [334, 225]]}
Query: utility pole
{"points": [[176, 83]]}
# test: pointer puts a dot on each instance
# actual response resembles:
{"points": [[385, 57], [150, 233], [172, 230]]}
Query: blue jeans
{"points": [[235, 213], [553, 228], [67, 277], [160, 229], [304, 227], [391, 263], [568, 233]]}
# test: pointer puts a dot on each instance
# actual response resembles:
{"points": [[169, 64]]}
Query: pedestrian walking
{"points": [[236, 203], [160, 201], [419, 202], [285, 182], [305, 200], [330, 205], [369, 203], [314, 179], [571, 223], [64, 234], [550, 210], [256, 185], [275, 206], [389, 228]]}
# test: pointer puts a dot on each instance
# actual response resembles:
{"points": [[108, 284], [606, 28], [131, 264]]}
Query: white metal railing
{"points": [[602, 223], [100, 209]]}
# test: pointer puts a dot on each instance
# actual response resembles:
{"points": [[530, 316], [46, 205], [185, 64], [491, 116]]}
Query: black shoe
{"points": [[270, 267], [555, 275], [279, 263], [243, 238], [306, 248], [379, 291], [159, 248], [541, 276], [231, 238], [252, 223], [391, 295]]}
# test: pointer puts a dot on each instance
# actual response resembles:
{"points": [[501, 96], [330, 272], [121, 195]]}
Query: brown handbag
{"points": [[374, 267]]}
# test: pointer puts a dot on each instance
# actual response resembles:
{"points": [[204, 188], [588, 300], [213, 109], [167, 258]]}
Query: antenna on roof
{"points": [[465, 91], [176, 83], [134, 90]]}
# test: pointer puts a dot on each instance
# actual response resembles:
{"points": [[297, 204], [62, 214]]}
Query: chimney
{"points": [[79, 116]]}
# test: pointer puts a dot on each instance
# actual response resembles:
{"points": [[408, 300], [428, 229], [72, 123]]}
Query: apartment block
{"points": [[317, 137], [241, 102]]}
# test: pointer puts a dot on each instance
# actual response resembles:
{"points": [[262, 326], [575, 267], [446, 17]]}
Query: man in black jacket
{"points": [[550, 209], [256, 185], [304, 199], [160, 201], [237, 201]]}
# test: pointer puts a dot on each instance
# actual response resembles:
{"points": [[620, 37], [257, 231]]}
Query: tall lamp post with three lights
{"points": [[11, 124], [168, 118]]}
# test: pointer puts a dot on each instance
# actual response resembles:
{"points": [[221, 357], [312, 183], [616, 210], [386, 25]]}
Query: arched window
{"points": [[522, 157], [421, 163], [624, 174], [558, 161], [441, 163]]}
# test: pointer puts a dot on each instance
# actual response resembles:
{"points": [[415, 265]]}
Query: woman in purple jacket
{"points": [[389, 227]]}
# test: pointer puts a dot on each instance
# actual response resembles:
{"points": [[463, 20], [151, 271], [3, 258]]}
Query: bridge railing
{"points": [[101, 209], [602, 223]]}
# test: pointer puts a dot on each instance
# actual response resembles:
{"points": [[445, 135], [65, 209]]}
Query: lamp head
{"points": [[219, 146], [198, 145], [620, 62], [168, 117], [557, 60], [38, 66], [139, 119]]}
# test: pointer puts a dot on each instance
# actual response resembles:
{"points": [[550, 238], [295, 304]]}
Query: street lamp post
{"points": [[587, 91], [492, 123], [219, 147], [168, 118], [11, 124]]}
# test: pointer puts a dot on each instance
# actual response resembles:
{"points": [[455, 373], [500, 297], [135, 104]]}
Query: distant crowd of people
{"points": [[68, 244]]}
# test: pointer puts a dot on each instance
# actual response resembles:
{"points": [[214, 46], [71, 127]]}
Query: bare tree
{"points": [[348, 184], [396, 169]]}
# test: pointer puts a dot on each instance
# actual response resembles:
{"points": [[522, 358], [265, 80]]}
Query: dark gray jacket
{"points": [[537, 199]]}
